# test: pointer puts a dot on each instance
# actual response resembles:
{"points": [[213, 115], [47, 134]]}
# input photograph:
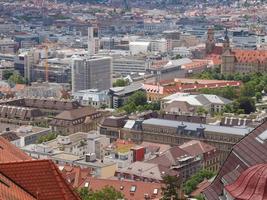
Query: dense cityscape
{"points": [[133, 100]]}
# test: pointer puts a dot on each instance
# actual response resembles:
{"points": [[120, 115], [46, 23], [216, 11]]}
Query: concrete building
{"points": [[25, 135], [126, 65], [92, 97], [186, 103], [139, 47], [159, 45], [174, 132], [119, 95], [7, 46], [91, 73], [93, 40], [80, 144]]}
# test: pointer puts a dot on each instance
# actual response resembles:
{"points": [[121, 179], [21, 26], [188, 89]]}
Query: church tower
{"points": [[226, 42], [210, 43]]}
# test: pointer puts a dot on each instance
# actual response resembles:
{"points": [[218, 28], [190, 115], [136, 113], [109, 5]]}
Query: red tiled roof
{"points": [[75, 175], [250, 56], [10, 153], [11, 191], [124, 187], [195, 147], [251, 184], [251, 150], [41, 178]]}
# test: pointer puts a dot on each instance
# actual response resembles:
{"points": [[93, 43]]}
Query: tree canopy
{"points": [[46, 138], [16, 78], [171, 188], [138, 102], [191, 184], [254, 85], [107, 192], [120, 83]]}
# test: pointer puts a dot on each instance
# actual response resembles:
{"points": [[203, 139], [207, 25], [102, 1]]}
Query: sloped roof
{"points": [[195, 147], [249, 56], [41, 178], [75, 175], [124, 187], [10, 153], [251, 150], [251, 184], [169, 157], [11, 191], [76, 113]]}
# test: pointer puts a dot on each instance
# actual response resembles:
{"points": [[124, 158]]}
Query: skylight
{"points": [[262, 137], [133, 188]]}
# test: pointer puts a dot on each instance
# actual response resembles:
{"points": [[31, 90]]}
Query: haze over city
{"points": [[133, 99]]}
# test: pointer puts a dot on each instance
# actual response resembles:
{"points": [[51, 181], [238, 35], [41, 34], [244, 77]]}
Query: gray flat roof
{"points": [[193, 126]]}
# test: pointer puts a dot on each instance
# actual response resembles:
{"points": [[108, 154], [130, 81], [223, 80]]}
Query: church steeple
{"points": [[210, 43], [226, 42]]}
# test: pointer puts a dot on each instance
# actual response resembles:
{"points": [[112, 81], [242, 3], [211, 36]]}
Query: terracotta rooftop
{"points": [[251, 150], [195, 147], [10, 153], [132, 190], [10, 190], [249, 56], [75, 175], [41, 178], [169, 157]]}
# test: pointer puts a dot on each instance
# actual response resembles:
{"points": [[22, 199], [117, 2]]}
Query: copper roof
{"points": [[250, 185]]}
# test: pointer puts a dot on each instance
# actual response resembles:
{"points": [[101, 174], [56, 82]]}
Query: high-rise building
{"points": [[93, 40], [91, 73]]}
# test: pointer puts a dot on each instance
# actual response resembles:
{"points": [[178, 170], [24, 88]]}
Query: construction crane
{"points": [[47, 45]]}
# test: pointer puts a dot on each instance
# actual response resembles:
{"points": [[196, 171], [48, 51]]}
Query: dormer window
{"points": [[133, 188]]}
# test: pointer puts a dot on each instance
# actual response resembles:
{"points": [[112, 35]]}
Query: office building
{"points": [[93, 40], [91, 73]]}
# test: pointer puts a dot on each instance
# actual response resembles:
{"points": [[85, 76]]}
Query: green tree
{"points": [[120, 83], [16, 78], [171, 188], [258, 96], [138, 98], [191, 184], [7, 74], [46, 138], [202, 111], [247, 104], [107, 192]]}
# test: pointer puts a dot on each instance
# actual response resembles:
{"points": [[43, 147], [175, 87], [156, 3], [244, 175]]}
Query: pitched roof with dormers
{"points": [[40, 178]]}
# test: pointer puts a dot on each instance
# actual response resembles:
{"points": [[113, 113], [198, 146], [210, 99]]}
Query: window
{"points": [[133, 188], [155, 191]]}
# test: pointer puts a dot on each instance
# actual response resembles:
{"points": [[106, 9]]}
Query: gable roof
{"points": [[170, 157], [195, 147], [10, 190], [123, 186], [10, 153], [75, 175], [76, 113], [41, 178], [251, 150]]}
